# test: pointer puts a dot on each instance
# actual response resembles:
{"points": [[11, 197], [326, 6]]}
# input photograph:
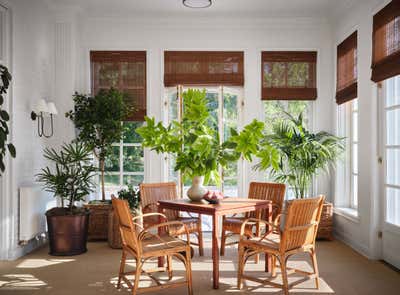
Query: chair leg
{"points": [[189, 272], [121, 269], [223, 242], [273, 266], [169, 267], [241, 262], [200, 238], [315, 266], [137, 277], [285, 284]]}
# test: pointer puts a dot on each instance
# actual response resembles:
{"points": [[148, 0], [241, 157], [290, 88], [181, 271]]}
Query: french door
{"points": [[391, 170]]}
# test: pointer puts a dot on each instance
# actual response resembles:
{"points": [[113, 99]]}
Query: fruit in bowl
{"points": [[213, 197]]}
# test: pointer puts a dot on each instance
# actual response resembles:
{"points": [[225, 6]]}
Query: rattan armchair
{"points": [[299, 232], [231, 225], [144, 245], [151, 193]]}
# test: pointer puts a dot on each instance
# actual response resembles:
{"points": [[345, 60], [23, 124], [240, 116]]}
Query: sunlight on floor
{"points": [[21, 282], [37, 263]]}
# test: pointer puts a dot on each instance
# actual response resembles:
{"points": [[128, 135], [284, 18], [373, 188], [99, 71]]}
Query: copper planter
{"points": [[68, 234]]}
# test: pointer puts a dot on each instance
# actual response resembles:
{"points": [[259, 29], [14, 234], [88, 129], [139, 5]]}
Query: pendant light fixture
{"points": [[197, 3]]}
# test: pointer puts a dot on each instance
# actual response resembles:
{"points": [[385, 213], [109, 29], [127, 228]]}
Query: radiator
{"points": [[33, 203]]}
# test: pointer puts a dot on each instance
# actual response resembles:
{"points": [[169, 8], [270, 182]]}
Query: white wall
{"points": [[251, 36], [362, 232], [32, 69]]}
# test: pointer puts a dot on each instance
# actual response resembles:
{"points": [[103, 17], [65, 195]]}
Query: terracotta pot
{"points": [[68, 233]]}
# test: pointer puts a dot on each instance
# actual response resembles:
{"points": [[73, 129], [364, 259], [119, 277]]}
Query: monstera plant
{"points": [[4, 118]]}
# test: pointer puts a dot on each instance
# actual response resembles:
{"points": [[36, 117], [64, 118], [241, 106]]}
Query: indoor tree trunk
{"points": [[103, 193]]}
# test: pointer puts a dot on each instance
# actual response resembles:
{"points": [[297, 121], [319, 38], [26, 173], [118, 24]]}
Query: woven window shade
{"points": [[289, 75], [203, 68], [125, 71], [386, 42], [346, 80]]}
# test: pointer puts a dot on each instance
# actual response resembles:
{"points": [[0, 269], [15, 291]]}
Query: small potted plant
{"points": [[70, 179], [132, 195], [98, 120]]}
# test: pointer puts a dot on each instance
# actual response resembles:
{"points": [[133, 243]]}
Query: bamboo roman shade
{"points": [[346, 72], [122, 70], [289, 75], [203, 68], [386, 42]]}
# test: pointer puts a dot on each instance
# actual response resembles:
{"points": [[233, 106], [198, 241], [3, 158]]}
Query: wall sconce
{"points": [[42, 110]]}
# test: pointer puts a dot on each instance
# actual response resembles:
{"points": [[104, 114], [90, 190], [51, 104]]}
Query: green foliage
{"points": [[132, 195], [294, 155], [99, 122], [4, 118], [71, 177], [194, 141]]}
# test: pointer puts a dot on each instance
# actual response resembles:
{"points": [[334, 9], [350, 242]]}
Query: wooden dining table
{"points": [[227, 206]]}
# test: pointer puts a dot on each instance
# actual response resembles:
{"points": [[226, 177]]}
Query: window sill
{"points": [[348, 213]]}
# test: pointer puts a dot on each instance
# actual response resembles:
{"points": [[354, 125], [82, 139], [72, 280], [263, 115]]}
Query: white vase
{"points": [[197, 190]]}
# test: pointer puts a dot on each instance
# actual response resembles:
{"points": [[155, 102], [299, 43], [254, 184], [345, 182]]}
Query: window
{"points": [[274, 111], [392, 149], [347, 169], [224, 105], [125, 71], [126, 163]]}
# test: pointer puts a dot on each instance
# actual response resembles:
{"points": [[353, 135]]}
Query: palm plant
{"points": [[293, 154], [71, 177]]}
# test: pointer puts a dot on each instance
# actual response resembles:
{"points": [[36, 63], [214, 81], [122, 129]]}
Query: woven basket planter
{"points": [[98, 222], [325, 227]]}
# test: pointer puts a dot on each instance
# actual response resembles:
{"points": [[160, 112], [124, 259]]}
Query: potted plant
{"points": [[193, 141], [294, 155], [132, 195], [71, 180], [5, 78], [98, 120]]}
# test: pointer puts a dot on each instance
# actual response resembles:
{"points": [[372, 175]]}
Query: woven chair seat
{"points": [[164, 244], [270, 243], [234, 224]]}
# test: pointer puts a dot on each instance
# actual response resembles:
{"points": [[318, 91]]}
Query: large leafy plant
{"points": [[71, 176], [291, 153], [4, 118], [99, 122], [194, 141]]}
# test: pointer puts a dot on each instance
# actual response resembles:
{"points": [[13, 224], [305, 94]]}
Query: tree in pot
{"points": [[71, 180], [99, 122], [193, 141]]}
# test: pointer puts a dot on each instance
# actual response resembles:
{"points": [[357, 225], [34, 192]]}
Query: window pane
{"points": [[295, 108], [298, 74], [133, 159], [231, 187], [173, 104], [130, 135], [274, 74], [111, 180], [108, 74], [112, 161], [393, 166], [212, 98], [393, 91], [393, 205], [230, 114], [354, 157], [134, 180], [393, 127]]}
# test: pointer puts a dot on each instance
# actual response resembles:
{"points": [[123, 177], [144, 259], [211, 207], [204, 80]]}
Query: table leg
{"points": [[268, 260], [215, 252], [161, 231]]}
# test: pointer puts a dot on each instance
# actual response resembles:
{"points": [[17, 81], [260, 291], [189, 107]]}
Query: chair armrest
{"points": [[144, 232], [254, 221], [150, 214]]}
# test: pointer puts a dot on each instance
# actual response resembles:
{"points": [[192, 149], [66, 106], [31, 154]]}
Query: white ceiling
{"points": [[226, 8]]}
